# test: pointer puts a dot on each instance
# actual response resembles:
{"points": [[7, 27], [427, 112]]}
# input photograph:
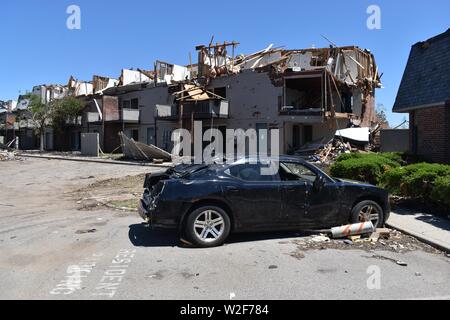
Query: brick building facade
{"points": [[425, 94]]}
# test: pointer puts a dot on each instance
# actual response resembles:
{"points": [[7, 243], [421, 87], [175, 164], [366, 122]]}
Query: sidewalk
{"points": [[93, 159], [430, 229]]}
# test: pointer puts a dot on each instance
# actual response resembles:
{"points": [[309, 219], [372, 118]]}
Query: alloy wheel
{"points": [[209, 226], [369, 213]]}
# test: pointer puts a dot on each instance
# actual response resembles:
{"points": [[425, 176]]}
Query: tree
{"points": [[55, 113], [65, 109], [381, 114], [41, 115]]}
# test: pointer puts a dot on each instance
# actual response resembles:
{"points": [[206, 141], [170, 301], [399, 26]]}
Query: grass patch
{"points": [[129, 204]]}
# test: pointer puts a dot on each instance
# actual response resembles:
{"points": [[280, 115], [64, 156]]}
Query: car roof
{"points": [[258, 159]]}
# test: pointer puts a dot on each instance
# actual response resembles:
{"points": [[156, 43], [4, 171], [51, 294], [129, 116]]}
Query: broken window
{"points": [[222, 92], [304, 93]]}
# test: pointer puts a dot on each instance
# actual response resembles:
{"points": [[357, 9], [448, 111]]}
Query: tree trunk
{"points": [[42, 141]]}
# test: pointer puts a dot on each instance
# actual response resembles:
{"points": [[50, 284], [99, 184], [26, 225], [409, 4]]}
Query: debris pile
{"points": [[349, 65], [7, 156], [142, 152], [382, 239], [345, 141]]}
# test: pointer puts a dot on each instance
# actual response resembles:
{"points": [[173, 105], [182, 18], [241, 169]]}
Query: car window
{"points": [[251, 173], [290, 171]]}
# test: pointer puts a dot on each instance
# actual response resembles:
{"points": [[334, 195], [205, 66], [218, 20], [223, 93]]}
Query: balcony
{"points": [[74, 121], [92, 117], [201, 110], [130, 115], [123, 115], [292, 111], [26, 124]]}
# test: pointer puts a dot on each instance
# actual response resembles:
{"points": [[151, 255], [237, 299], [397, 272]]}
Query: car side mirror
{"points": [[318, 183]]}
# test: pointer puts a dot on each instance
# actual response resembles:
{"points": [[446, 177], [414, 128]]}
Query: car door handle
{"points": [[232, 189]]}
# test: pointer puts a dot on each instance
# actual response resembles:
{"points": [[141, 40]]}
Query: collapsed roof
{"points": [[350, 65]]}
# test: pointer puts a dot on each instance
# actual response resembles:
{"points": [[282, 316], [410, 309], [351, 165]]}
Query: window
{"points": [[222, 92], [307, 134], [135, 103], [126, 104], [250, 172], [151, 136], [135, 134], [293, 171]]}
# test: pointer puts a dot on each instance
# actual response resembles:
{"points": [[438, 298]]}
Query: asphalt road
{"points": [[46, 254]]}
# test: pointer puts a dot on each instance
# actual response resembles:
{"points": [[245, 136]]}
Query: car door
{"points": [[324, 205], [294, 193], [317, 205], [255, 198]]}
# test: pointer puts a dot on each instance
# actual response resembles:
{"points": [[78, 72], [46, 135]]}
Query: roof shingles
{"points": [[426, 80]]}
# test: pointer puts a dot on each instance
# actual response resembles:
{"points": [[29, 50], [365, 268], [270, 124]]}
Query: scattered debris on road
{"points": [[382, 239], [118, 194], [8, 156], [320, 238], [86, 231], [399, 262]]}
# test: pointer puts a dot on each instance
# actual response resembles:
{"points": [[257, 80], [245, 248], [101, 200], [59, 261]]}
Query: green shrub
{"points": [[366, 167], [441, 191], [428, 181], [347, 156], [393, 156]]}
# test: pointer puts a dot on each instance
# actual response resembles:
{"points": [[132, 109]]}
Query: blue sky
{"points": [[37, 47]]}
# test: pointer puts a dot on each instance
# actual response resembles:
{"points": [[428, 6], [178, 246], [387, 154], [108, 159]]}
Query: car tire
{"points": [[208, 226], [368, 210]]}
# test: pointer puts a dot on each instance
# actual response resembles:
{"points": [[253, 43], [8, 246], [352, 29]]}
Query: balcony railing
{"points": [[74, 121], [92, 117], [130, 115], [126, 115], [291, 111], [201, 110]]}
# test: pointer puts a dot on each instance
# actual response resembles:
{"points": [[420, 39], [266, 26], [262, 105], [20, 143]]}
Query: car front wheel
{"points": [[208, 226], [368, 210]]}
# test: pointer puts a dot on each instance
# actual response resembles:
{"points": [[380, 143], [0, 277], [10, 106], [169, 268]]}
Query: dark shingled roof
{"points": [[426, 79]]}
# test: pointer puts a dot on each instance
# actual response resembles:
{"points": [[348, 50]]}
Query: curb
{"points": [[420, 237], [95, 161]]}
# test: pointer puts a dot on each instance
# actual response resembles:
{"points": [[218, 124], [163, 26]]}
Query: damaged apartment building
{"points": [[307, 94]]}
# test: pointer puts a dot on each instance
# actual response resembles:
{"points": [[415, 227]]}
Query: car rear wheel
{"points": [[368, 210], [208, 226]]}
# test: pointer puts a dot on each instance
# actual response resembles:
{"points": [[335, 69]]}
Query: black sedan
{"points": [[207, 202]]}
